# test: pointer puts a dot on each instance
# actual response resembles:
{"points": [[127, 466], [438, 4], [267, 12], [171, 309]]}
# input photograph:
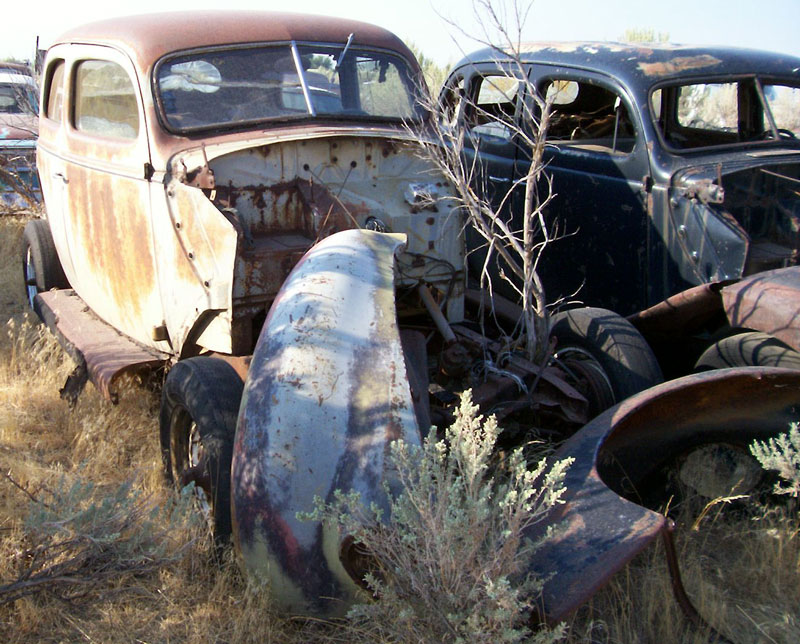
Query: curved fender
{"points": [[326, 393], [768, 302], [617, 452]]}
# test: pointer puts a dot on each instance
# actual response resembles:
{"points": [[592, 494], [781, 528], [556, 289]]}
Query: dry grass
{"points": [[742, 570]]}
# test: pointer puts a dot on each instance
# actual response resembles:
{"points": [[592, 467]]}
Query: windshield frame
{"points": [[407, 74]]}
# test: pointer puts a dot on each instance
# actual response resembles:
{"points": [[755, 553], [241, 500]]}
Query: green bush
{"points": [[782, 455], [452, 564]]}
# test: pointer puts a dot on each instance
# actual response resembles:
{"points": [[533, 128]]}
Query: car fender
{"points": [[326, 393]]}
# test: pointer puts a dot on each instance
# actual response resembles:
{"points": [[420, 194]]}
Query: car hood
{"points": [[724, 163]]}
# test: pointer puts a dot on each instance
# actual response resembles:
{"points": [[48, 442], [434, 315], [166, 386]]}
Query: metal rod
{"points": [[436, 314], [679, 591]]}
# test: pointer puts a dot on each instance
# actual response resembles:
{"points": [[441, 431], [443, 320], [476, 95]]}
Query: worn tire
{"points": [[750, 349], [626, 360], [199, 407], [41, 268]]}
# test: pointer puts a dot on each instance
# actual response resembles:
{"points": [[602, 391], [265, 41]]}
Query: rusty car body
{"points": [[245, 208], [19, 185], [673, 167]]}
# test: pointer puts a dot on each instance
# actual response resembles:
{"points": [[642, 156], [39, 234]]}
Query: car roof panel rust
{"points": [[646, 64], [147, 38]]}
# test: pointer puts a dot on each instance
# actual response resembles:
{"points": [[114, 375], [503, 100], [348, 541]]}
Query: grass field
{"points": [[741, 565]]}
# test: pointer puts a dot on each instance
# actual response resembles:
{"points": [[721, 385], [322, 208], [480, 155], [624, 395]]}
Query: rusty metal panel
{"points": [[768, 302], [617, 452], [148, 37], [681, 314], [326, 393], [195, 251], [106, 353], [284, 196]]}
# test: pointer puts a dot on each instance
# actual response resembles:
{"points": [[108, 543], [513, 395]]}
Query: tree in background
{"points": [[644, 35]]}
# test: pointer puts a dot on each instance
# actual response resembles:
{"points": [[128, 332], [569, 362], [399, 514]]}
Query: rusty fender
{"points": [[620, 454], [326, 393], [768, 302]]}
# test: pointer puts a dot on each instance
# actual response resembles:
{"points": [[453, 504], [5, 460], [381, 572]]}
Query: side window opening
{"points": [[588, 116], [54, 101], [450, 102], [494, 107], [105, 100]]}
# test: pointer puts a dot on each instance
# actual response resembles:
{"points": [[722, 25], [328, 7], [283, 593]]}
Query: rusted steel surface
{"points": [[619, 451], [679, 64], [281, 198], [106, 353], [145, 38], [681, 314], [326, 392], [631, 62], [768, 302]]}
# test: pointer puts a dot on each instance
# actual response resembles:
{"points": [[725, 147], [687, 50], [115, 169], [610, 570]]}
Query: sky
{"points": [[439, 32]]}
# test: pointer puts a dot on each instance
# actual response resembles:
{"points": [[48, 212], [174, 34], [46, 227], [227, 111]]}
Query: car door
{"points": [[107, 206], [600, 171], [488, 112], [50, 162]]}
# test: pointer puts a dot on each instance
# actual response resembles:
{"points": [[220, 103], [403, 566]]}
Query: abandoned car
{"points": [[19, 186], [244, 208], [675, 171]]}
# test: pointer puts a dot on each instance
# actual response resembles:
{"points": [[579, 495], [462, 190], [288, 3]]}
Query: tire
{"points": [[199, 408], [750, 349], [41, 268], [607, 352]]}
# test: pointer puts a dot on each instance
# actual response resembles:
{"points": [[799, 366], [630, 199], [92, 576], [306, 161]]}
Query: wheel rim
{"points": [[188, 461], [30, 277], [196, 456], [587, 375]]}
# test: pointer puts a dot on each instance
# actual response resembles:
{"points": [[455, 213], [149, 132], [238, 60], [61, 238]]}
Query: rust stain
{"points": [[679, 64]]}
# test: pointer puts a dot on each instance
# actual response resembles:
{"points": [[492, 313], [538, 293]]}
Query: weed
{"points": [[782, 455], [451, 563]]}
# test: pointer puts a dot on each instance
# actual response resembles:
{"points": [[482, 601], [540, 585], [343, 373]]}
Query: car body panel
{"points": [[182, 241], [642, 223], [326, 393]]}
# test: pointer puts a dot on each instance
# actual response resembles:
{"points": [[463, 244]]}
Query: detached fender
{"points": [[326, 392], [621, 454]]}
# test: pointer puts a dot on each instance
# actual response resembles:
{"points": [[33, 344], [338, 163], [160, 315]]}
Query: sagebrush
{"points": [[451, 565], [781, 454]]}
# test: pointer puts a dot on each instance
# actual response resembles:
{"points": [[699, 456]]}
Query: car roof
{"points": [[647, 64], [146, 38]]}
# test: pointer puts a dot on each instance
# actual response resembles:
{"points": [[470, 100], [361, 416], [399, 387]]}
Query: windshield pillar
{"points": [[301, 75]]}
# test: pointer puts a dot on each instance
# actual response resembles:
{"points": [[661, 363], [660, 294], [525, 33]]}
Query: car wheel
{"points": [[41, 268], [606, 353], [199, 407], [750, 349]]}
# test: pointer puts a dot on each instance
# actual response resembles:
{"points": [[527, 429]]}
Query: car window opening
{"points": [[221, 89]]}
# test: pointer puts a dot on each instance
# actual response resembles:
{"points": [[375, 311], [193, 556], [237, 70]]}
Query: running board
{"points": [[101, 352]]}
